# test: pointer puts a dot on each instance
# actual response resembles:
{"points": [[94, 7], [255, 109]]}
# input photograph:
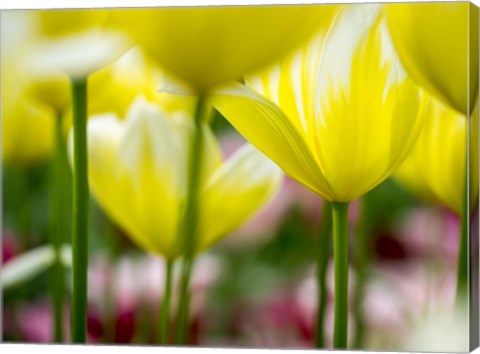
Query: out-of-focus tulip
{"points": [[210, 45], [48, 85], [114, 88], [50, 88], [74, 42], [33, 95], [409, 177], [52, 43], [436, 167], [137, 173], [438, 44], [338, 116], [27, 126], [27, 133]]}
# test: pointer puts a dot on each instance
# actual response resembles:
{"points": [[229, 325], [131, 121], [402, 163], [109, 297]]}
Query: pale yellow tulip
{"points": [[138, 174]]}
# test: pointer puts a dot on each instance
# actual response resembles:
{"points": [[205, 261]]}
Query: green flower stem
{"points": [[183, 308], [462, 260], [59, 226], [322, 265], [340, 256], [80, 211], [23, 205], [165, 309], [189, 224], [362, 263]]}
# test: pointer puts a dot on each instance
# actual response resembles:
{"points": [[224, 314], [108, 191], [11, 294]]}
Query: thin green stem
{"points": [[182, 311], [165, 309], [189, 224], [362, 263], [80, 211], [59, 192], [340, 255], [322, 265]]}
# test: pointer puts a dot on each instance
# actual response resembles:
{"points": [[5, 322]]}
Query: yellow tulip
{"points": [[74, 42], [206, 46], [338, 116], [137, 172], [44, 81], [408, 175], [30, 91], [27, 125], [56, 23], [114, 88], [31, 95], [19, 35], [27, 129], [436, 167], [438, 44], [52, 89]]}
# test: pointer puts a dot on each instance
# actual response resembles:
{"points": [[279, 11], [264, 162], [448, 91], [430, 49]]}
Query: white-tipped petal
{"points": [[347, 33]]}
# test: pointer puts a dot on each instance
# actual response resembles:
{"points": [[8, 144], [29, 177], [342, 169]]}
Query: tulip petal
{"points": [[208, 46], [138, 172], [244, 183], [212, 156], [130, 179], [290, 84], [436, 167], [263, 124], [367, 108], [115, 87], [350, 110], [106, 181], [79, 55], [438, 44]]}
